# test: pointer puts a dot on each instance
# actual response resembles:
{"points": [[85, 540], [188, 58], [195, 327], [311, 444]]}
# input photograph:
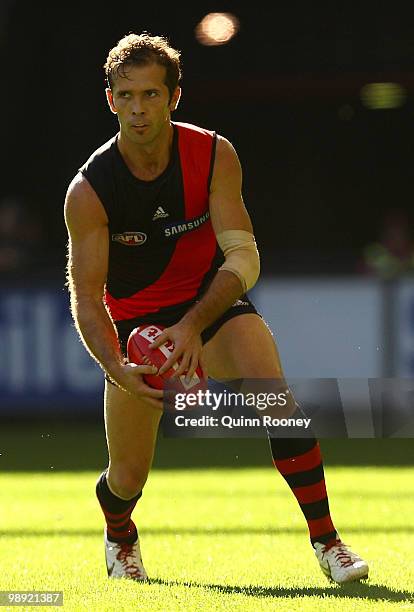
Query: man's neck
{"points": [[147, 162]]}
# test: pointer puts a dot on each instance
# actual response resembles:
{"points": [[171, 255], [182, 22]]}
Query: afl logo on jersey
{"points": [[130, 238]]}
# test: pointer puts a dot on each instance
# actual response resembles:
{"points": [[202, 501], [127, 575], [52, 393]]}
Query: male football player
{"points": [[145, 215]]}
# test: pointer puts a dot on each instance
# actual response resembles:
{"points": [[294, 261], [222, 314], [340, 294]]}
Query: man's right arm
{"points": [[87, 225]]}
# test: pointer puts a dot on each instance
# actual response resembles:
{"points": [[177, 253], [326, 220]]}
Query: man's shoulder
{"points": [[100, 154], [193, 130]]}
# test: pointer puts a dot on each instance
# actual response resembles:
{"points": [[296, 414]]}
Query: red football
{"points": [[139, 352]]}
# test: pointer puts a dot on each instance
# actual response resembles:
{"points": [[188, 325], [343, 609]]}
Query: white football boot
{"points": [[339, 563], [124, 560]]}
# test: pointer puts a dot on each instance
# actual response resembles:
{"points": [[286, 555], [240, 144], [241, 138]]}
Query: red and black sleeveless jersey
{"points": [[162, 247]]}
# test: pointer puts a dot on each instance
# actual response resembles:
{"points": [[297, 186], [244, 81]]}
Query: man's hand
{"points": [[187, 346], [128, 377]]}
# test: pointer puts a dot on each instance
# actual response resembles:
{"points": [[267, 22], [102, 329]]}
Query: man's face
{"points": [[141, 101]]}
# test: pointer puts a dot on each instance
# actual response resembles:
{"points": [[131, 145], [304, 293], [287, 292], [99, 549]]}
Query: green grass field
{"points": [[212, 539]]}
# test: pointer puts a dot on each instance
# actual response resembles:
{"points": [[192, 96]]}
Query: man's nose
{"points": [[137, 107]]}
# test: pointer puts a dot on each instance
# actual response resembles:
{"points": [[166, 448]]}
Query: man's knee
{"points": [[126, 480]]}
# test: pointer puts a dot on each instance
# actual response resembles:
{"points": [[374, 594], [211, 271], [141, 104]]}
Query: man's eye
{"points": [[123, 94], [152, 94]]}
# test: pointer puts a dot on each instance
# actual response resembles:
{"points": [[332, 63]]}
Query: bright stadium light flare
{"points": [[217, 29], [383, 95]]}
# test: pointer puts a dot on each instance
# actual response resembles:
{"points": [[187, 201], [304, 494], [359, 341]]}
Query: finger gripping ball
{"points": [[139, 352]]}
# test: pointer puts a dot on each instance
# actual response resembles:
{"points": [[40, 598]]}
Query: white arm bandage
{"points": [[242, 257]]}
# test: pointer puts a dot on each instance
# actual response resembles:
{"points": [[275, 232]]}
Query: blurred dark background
{"points": [[321, 169]]}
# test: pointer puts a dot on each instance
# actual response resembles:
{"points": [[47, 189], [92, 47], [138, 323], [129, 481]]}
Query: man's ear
{"points": [[110, 100], [175, 99]]}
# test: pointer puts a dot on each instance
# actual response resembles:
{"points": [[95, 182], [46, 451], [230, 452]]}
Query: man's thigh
{"points": [[131, 428], [243, 347]]}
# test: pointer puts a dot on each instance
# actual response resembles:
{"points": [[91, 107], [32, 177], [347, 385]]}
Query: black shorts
{"points": [[242, 306]]}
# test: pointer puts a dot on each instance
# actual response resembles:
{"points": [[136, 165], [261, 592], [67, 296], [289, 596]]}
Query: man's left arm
{"points": [[234, 232]]}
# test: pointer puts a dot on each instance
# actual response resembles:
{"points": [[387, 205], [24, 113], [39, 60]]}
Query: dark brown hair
{"points": [[140, 50]]}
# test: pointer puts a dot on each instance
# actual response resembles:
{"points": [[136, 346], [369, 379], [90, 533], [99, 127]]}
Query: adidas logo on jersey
{"points": [[160, 214]]}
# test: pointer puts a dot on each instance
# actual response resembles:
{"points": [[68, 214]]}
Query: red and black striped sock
{"points": [[299, 461], [119, 525]]}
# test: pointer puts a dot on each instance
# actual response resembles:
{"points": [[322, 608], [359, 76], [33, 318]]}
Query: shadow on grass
{"points": [[196, 531], [356, 590]]}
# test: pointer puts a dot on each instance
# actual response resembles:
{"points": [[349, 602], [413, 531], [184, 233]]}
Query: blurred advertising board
{"points": [[402, 328], [43, 365], [325, 328]]}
